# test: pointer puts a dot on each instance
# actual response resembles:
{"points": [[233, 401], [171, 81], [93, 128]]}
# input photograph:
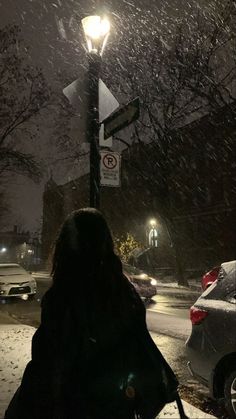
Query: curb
{"points": [[178, 292], [7, 319]]}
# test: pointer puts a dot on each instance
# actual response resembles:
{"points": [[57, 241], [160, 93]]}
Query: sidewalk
{"points": [[170, 287], [15, 350]]}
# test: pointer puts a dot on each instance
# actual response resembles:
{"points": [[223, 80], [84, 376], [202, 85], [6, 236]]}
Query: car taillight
{"points": [[197, 315], [210, 277]]}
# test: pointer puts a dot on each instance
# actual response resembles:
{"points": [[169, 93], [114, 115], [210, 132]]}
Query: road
{"points": [[170, 316], [161, 313], [167, 319]]}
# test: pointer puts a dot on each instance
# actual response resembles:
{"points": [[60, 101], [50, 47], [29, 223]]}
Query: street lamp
{"points": [[153, 223], [96, 31], [153, 233]]}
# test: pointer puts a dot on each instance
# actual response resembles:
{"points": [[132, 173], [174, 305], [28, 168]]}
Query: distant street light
{"points": [[153, 233], [153, 223], [96, 30], [3, 250]]}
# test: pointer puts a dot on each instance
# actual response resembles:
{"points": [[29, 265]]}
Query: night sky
{"points": [[40, 23]]}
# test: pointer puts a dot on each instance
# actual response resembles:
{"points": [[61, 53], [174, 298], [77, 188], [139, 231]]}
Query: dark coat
{"points": [[77, 341]]}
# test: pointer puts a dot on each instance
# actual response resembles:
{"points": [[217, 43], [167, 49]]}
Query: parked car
{"points": [[211, 347], [143, 283], [210, 277], [15, 281]]}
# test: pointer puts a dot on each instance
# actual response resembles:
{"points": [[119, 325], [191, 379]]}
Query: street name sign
{"points": [[110, 168], [121, 118]]}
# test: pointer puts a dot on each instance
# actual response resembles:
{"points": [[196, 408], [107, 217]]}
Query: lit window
{"points": [[153, 236]]}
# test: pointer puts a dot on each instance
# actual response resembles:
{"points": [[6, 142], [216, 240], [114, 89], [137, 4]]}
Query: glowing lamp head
{"points": [[96, 30], [153, 223]]}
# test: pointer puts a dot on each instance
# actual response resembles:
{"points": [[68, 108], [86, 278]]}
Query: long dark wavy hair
{"points": [[84, 258], [88, 279]]}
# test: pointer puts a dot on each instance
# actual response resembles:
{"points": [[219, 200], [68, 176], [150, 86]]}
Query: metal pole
{"points": [[93, 128]]}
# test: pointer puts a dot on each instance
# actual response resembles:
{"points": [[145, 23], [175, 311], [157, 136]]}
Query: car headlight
{"points": [[153, 282], [144, 276]]}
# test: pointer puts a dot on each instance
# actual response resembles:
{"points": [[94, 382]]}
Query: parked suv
{"points": [[15, 281], [211, 347]]}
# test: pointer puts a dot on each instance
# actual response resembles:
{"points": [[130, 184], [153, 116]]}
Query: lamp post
{"points": [[96, 30]]}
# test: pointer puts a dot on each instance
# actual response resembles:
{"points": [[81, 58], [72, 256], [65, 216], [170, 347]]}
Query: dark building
{"points": [[204, 187], [195, 204]]}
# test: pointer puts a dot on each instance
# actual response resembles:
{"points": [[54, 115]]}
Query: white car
{"points": [[15, 281]]}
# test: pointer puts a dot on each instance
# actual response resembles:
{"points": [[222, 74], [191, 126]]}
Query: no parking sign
{"points": [[110, 168]]}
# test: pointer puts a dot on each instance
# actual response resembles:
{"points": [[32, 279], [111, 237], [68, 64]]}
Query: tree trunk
{"points": [[179, 269]]}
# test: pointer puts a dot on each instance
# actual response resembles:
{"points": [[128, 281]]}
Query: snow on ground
{"points": [[15, 352], [41, 275], [173, 288], [171, 284], [170, 411]]}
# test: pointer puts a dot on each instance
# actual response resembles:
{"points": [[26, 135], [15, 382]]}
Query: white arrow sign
{"points": [[76, 95]]}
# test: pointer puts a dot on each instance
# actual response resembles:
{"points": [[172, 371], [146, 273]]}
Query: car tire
{"points": [[230, 394]]}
